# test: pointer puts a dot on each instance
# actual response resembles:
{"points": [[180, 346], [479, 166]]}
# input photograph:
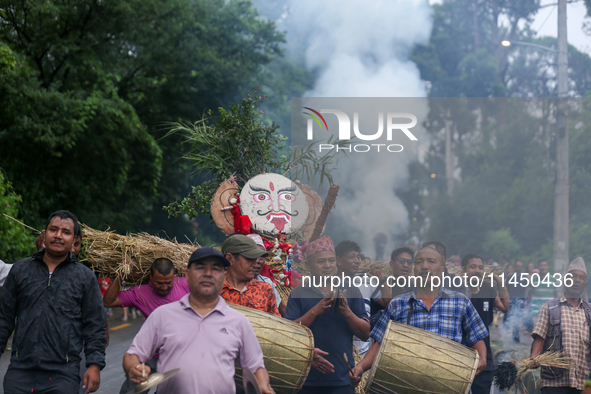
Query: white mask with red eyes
{"points": [[274, 204]]}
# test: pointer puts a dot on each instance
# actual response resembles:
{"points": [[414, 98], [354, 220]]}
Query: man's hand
{"points": [[139, 373], [322, 306], [267, 389], [320, 362], [355, 375], [481, 365], [344, 305], [262, 377], [92, 379]]}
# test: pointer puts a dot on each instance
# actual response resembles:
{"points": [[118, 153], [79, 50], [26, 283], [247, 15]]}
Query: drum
{"points": [[287, 347], [411, 360]]}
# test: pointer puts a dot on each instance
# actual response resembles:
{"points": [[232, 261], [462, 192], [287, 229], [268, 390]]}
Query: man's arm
{"points": [[94, 323], [111, 298], [282, 308], [502, 301], [536, 347], [480, 347], [386, 292], [262, 377], [136, 370], [501, 304], [359, 326]]}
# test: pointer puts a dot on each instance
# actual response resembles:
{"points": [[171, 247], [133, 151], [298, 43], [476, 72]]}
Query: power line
{"points": [[550, 13]]}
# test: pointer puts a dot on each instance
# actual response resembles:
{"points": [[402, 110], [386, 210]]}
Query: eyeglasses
{"points": [[404, 261]]}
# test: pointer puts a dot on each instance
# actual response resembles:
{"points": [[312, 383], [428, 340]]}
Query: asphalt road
{"points": [[112, 376]]}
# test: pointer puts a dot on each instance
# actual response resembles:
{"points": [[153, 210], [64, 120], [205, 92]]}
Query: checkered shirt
{"points": [[575, 342], [452, 316]]}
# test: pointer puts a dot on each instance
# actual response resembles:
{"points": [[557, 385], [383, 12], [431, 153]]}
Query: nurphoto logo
{"points": [[395, 122]]}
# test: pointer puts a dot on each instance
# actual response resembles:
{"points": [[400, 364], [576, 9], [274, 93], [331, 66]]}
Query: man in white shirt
{"points": [[4, 270], [348, 262]]}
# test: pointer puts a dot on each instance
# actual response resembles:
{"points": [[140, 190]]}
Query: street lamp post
{"points": [[561, 186], [561, 183]]}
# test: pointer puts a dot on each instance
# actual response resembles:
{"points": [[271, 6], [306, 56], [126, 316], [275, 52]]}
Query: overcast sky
{"points": [[575, 16], [545, 23]]}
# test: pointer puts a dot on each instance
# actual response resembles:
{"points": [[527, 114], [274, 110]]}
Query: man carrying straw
{"points": [[563, 325]]}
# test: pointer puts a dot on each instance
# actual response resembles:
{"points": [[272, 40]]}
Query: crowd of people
{"points": [[53, 307]]}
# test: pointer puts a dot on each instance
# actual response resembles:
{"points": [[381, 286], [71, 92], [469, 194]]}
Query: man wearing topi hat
{"points": [[240, 286], [333, 321], [563, 325], [200, 334]]}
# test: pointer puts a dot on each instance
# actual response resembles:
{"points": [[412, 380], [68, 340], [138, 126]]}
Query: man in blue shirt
{"points": [[332, 319], [431, 308]]}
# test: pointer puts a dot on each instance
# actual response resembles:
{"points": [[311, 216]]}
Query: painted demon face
{"points": [[274, 204]]}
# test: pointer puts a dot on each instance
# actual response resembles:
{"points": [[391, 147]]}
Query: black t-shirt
{"points": [[483, 303]]}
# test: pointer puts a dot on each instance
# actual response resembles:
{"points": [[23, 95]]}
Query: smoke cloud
{"points": [[361, 49]]}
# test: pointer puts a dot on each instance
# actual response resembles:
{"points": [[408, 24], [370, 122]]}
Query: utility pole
{"points": [[561, 186], [449, 157]]}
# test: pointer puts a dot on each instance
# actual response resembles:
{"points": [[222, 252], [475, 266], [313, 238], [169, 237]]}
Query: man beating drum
{"points": [[431, 308], [200, 334]]}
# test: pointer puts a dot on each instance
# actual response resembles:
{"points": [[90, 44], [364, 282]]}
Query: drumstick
{"points": [[347, 361], [143, 370]]}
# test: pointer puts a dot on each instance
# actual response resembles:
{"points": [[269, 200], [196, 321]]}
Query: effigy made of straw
{"points": [[131, 255], [508, 373]]}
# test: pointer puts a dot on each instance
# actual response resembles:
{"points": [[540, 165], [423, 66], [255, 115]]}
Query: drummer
{"points": [[240, 286], [333, 327], [200, 334], [431, 308]]}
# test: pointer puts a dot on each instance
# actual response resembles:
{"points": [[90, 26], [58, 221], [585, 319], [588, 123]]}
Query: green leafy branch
{"points": [[238, 142]]}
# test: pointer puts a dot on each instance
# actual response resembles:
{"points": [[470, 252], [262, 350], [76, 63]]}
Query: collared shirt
{"points": [[331, 332], [575, 342], [255, 294], [146, 299], [203, 347], [452, 316]]}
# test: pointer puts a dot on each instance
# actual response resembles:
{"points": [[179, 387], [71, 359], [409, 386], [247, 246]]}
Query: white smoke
{"points": [[361, 49]]}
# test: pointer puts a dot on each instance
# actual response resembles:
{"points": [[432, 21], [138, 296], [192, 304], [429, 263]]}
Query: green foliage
{"points": [[500, 243], [17, 242], [82, 150], [238, 142], [94, 84]]}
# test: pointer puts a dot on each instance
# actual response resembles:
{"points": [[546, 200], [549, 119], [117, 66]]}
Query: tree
{"points": [[135, 66], [17, 242], [503, 149], [82, 150]]}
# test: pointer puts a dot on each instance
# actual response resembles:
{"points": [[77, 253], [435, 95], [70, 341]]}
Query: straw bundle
{"points": [[131, 255], [508, 374]]}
